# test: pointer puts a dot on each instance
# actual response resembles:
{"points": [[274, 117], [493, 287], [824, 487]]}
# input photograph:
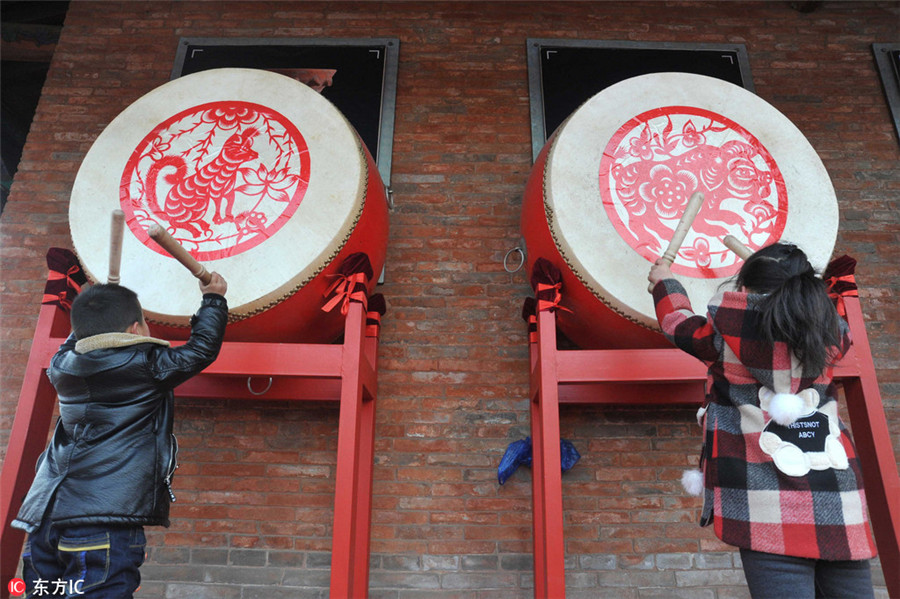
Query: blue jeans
{"points": [[778, 576], [94, 562]]}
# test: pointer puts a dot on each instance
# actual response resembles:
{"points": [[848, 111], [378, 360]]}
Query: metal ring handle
{"points": [[521, 260], [263, 392]]}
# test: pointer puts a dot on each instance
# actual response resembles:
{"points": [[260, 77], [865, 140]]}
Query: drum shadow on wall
{"points": [[358, 76], [563, 74]]}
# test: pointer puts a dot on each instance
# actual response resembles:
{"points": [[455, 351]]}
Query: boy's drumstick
{"points": [[681, 230], [735, 245], [116, 230], [175, 250]]}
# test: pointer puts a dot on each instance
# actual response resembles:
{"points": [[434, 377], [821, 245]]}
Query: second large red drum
{"points": [[608, 189]]}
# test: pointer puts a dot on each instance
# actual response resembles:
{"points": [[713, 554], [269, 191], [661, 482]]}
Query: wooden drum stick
{"points": [[175, 250], [684, 225], [735, 245], [681, 230], [116, 231]]}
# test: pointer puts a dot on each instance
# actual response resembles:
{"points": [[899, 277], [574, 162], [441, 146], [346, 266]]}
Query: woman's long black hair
{"points": [[796, 309]]}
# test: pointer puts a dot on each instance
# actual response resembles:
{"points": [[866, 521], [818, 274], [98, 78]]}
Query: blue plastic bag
{"points": [[518, 453]]}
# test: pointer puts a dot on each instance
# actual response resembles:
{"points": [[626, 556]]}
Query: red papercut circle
{"points": [[220, 177], [658, 159]]}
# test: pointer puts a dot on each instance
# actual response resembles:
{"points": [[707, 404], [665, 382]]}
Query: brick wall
{"points": [[255, 487]]}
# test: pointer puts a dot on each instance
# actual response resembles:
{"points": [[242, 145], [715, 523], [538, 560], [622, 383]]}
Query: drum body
{"points": [[609, 187], [259, 177]]}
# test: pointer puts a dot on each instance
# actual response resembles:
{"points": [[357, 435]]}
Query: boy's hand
{"points": [[216, 284], [659, 271]]}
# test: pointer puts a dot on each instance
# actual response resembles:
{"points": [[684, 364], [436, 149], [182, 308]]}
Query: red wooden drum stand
{"points": [[343, 373], [266, 182], [672, 377], [607, 193]]}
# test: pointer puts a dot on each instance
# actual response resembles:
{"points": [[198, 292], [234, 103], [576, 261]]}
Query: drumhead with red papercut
{"points": [[658, 159], [221, 178]]}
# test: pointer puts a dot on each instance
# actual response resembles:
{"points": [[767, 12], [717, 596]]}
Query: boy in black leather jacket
{"points": [[107, 471]]}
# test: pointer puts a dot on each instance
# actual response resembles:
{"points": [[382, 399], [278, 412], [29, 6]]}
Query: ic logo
{"points": [[16, 587]]}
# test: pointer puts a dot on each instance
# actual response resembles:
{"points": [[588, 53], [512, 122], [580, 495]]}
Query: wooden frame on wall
{"points": [[563, 74], [887, 57], [359, 76]]}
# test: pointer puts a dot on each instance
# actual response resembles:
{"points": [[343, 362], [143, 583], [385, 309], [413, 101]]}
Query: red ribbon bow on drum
{"points": [[65, 280], [553, 291], [547, 283], [529, 316], [352, 283], [840, 281], [377, 308]]}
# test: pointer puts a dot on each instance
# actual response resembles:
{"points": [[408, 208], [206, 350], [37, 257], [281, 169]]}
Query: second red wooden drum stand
{"points": [[603, 200], [671, 377]]}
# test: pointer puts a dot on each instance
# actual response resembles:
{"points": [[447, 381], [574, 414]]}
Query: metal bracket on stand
{"points": [[672, 377], [344, 373]]}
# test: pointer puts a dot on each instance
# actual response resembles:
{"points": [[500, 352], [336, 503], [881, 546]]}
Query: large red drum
{"points": [[259, 177], [608, 189]]}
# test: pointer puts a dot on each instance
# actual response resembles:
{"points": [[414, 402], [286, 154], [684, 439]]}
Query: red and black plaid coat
{"points": [[751, 503]]}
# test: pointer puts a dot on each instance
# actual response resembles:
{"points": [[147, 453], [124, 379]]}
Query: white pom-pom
{"points": [[785, 408], [692, 481]]}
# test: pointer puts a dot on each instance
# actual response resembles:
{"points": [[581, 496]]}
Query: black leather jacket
{"points": [[112, 456]]}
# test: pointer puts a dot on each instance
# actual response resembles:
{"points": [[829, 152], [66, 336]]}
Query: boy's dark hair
{"points": [[104, 309], [796, 309]]}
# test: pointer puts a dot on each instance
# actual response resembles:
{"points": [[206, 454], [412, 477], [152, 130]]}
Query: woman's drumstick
{"points": [[116, 231], [684, 225], [681, 230], [735, 245], [175, 250]]}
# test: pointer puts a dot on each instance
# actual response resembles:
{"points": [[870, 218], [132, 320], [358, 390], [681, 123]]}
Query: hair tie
{"points": [[809, 272]]}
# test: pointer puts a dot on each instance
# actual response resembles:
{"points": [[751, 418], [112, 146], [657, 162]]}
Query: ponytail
{"points": [[796, 309]]}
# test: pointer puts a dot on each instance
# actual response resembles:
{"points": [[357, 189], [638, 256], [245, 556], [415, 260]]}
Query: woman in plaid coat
{"points": [[781, 477]]}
